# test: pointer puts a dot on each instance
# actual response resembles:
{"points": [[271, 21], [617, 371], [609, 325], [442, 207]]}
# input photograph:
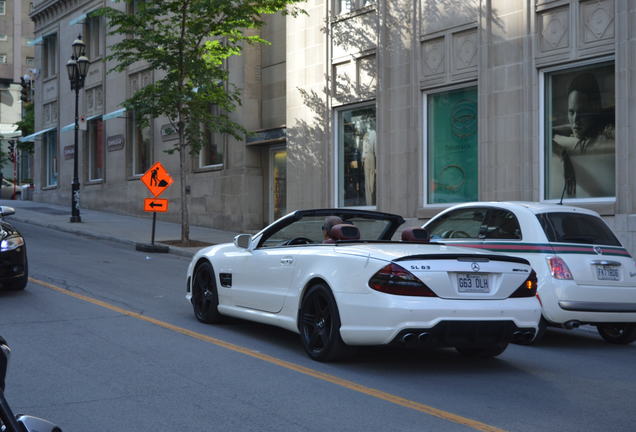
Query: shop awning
{"points": [[71, 126], [31, 138], [114, 114]]}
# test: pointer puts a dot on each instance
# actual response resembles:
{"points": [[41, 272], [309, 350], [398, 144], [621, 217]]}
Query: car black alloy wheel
{"points": [[619, 334], [320, 325], [205, 299]]}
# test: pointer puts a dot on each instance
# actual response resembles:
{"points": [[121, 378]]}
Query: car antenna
{"points": [[563, 193]]}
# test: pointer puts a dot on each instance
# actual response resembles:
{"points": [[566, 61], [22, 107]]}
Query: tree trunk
{"points": [[183, 175]]}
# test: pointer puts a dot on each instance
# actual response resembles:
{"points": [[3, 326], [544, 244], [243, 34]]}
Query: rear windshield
{"points": [[576, 228]]}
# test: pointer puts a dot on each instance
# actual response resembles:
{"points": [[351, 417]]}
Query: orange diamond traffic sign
{"points": [[156, 205], [157, 179]]}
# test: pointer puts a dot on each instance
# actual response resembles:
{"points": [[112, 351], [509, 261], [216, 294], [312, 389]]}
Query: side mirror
{"points": [[6, 211], [242, 241]]}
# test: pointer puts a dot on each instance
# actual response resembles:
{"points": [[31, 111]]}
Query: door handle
{"points": [[286, 260]]}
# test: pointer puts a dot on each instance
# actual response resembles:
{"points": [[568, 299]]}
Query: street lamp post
{"points": [[77, 68]]}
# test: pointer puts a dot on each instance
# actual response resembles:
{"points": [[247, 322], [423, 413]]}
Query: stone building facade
{"points": [[16, 61], [403, 106]]}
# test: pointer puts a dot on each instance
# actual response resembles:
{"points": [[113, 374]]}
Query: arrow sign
{"points": [[156, 205], [157, 179]]}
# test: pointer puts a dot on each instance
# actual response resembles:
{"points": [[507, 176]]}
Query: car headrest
{"points": [[419, 235], [344, 232]]}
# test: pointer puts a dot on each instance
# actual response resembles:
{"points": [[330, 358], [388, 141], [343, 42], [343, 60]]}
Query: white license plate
{"points": [[472, 283], [609, 273]]}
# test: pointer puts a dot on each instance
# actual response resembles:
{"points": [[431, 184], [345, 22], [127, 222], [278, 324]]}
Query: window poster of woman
{"points": [[580, 145]]}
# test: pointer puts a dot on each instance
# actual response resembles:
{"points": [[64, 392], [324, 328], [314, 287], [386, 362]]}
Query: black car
{"points": [[14, 268]]}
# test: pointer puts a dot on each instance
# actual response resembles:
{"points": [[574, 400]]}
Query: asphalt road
{"points": [[104, 340]]}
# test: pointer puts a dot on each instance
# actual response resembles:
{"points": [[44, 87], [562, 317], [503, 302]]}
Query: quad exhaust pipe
{"points": [[413, 338], [523, 336]]}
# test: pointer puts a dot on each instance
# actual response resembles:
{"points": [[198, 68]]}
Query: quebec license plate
{"points": [[472, 283], [608, 273]]}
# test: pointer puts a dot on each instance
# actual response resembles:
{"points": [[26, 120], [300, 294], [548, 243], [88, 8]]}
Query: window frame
{"points": [[207, 136], [49, 56], [337, 157], [51, 165], [542, 129], [425, 154], [91, 149], [93, 37], [3, 7], [132, 139]]}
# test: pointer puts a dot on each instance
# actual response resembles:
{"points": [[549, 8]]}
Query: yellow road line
{"points": [[388, 397]]}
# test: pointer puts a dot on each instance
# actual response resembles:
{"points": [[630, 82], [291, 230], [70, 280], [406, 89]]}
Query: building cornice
{"points": [[49, 11]]}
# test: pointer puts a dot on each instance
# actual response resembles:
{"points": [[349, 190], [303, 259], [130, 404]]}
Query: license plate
{"points": [[472, 283], [609, 273]]}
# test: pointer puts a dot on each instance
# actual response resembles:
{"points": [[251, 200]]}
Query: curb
{"points": [[172, 249]]}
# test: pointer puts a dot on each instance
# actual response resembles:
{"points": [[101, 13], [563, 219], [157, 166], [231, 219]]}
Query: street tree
{"points": [[189, 42]]}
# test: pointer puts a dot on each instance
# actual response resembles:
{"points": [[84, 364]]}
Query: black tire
{"points": [[619, 334], [20, 283], [486, 351], [543, 324], [205, 298], [319, 325]]}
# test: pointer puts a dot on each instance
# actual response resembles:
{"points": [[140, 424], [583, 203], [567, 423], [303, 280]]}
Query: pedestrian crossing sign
{"points": [[157, 179]]}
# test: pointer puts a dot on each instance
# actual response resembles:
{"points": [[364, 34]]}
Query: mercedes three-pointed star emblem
{"points": [[475, 267]]}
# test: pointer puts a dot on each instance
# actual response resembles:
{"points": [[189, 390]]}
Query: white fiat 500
{"points": [[585, 275], [349, 284]]}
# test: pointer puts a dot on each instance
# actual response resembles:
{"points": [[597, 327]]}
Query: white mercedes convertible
{"points": [[353, 285]]}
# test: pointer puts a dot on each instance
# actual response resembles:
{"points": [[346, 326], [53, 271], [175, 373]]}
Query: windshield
{"points": [[576, 228], [310, 228]]}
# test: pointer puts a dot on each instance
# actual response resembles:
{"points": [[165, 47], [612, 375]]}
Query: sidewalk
{"points": [[110, 226]]}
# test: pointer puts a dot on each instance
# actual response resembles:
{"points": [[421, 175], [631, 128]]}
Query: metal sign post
{"points": [[157, 180]]}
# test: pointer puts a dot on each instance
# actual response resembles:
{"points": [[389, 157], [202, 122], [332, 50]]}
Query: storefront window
{"points": [[49, 143], [579, 132], [452, 146], [356, 156], [95, 149]]}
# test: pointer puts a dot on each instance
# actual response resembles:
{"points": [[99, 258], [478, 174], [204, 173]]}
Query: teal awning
{"points": [[77, 20], [31, 138], [114, 114]]}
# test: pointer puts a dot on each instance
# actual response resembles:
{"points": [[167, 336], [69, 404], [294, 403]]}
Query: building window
{"points": [[95, 135], [3, 7], [3, 37], [140, 142], [3, 58], [580, 153], [49, 144], [346, 6], [134, 5], [211, 154], [93, 36], [356, 157], [451, 142], [49, 56], [140, 145], [29, 61]]}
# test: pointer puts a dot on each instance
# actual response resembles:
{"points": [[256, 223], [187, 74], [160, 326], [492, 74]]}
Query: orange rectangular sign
{"points": [[159, 205]]}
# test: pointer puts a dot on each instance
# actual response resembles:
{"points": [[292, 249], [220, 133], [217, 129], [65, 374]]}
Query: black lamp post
{"points": [[77, 68]]}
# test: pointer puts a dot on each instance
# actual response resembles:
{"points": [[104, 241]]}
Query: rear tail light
{"points": [[393, 279], [559, 269], [528, 288]]}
